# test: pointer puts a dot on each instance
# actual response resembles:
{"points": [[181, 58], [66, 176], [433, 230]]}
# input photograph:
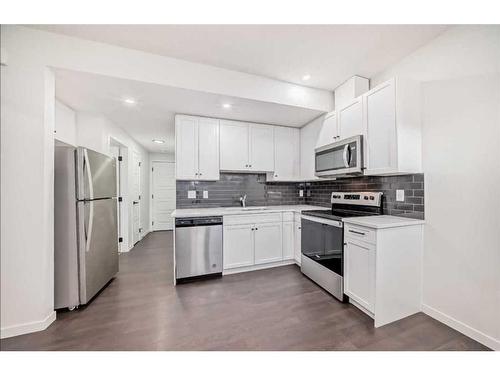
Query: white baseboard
{"points": [[258, 267], [473, 333], [22, 329]]}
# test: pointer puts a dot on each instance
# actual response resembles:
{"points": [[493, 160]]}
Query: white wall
{"points": [[65, 125], [162, 156], [27, 170], [460, 74], [94, 131]]}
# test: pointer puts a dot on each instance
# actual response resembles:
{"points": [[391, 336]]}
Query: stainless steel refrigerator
{"points": [[85, 220]]}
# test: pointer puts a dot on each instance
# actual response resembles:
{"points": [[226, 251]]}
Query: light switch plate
{"points": [[301, 193], [205, 194], [191, 194], [400, 195]]}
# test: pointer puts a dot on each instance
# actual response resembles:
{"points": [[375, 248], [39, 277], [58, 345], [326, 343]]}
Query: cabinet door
{"points": [[381, 142], [286, 154], [288, 240], [359, 273], [261, 148], [298, 235], [186, 148], [208, 149], [234, 146], [238, 246], [268, 243], [329, 130], [350, 119]]}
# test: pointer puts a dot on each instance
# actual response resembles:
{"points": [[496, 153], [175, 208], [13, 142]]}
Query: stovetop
{"points": [[337, 214]]}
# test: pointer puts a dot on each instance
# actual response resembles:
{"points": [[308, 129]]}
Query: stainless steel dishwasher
{"points": [[198, 248]]}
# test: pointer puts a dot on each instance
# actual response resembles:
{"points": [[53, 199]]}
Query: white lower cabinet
{"points": [[288, 240], [252, 240], [359, 263], [382, 270], [238, 245], [261, 240], [268, 243]]}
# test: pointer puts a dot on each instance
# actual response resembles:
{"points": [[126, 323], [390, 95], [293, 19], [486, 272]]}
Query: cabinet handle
{"points": [[275, 175], [256, 228], [199, 174], [250, 165], [353, 231]]}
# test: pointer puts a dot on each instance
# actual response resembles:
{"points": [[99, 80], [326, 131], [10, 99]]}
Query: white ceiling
{"points": [[153, 116], [329, 53]]}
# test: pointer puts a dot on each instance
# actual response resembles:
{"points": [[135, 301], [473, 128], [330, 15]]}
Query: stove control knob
{"points": [[366, 198], [372, 198]]}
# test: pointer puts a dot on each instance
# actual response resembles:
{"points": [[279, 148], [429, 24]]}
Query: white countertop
{"points": [[382, 221], [222, 211]]}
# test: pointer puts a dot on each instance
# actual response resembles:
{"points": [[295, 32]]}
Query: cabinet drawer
{"points": [[360, 233], [252, 218], [287, 216]]}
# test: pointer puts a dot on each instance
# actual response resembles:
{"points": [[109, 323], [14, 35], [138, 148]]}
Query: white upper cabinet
{"points": [[350, 119], [261, 156], [329, 130], [208, 149], [186, 147], [392, 128], [196, 148], [246, 147], [286, 154], [234, 144]]}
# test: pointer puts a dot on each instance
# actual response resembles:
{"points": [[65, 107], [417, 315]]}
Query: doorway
{"points": [[119, 151], [162, 194], [135, 196]]}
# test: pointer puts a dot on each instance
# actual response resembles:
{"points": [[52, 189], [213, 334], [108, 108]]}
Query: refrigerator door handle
{"points": [[86, 168], [89, 226]]}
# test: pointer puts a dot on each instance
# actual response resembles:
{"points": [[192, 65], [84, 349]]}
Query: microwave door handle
{"points": [[347, 156]]}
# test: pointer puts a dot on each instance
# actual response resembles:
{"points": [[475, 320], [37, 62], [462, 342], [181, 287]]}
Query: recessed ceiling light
{"points": [[130, 101], [158, 141], [306, 77], [226, 105]]}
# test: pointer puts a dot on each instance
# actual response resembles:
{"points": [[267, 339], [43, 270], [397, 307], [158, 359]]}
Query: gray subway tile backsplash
{"points": [[227, 191]]}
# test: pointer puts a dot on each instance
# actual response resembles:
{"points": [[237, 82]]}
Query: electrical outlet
{"points": [[301, 193], [205, 194], [191, 194], [400, 195]]}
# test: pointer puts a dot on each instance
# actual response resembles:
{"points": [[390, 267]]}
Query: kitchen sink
{"points": [[248, 208]]}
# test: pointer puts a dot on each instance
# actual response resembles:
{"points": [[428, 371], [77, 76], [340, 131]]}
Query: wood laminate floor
{"points": [[274, 309]]}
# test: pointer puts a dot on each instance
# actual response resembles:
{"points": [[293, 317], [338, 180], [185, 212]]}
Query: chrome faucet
{"points": [[243, 201]]}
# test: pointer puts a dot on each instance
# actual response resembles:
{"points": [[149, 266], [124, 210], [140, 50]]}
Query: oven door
{"points": [[340, 158], [323, 242]]}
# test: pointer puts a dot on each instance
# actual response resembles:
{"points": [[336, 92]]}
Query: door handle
{"points": [[346, 155], [354, 231], [88, 229]]}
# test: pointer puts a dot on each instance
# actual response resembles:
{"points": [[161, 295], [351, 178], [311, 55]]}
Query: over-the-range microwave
{"points": [[344, 157]]}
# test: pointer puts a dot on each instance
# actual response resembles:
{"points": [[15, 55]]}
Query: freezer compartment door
{"points": [[97, 245], [198, 250], [96, 175]]}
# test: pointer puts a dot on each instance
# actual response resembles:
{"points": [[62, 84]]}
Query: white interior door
{"points": [[163, 194], [135, 197]]}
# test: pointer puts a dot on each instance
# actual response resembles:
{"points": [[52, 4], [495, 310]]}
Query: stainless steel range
{"points": [[323, 237]]}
